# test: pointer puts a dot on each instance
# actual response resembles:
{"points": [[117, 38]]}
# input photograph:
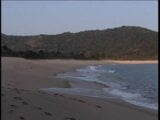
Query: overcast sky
{"points": [[35, 17]]}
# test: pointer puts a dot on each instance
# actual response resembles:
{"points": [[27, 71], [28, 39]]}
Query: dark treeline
{"points": [[126, 43]]}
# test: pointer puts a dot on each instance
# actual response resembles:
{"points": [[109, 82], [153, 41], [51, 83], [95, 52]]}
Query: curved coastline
{"points": [[28, 76]]}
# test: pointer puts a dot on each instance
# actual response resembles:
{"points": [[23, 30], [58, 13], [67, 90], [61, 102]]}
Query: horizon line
{"points": [[77, 32]]}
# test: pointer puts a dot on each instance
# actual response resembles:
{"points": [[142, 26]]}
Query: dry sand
{"points": [[133, 61], [22, 99]]}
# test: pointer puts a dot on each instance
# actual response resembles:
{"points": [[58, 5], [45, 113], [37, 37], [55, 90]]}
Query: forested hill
{"points": [[126, 42]]}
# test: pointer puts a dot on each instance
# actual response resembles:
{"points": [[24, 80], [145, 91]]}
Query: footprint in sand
{"points": [[47, 113], [10, 111], [39, 108], [21, 118], [17, 90], [78, 100], [70, 118], [98, 106], [24, 103], [58, 95], [14, 106], [17, 98]]}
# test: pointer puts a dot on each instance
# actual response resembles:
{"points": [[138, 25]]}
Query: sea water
{"points": [[134, 83]]}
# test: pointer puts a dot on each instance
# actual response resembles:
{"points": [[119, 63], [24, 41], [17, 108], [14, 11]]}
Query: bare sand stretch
{"points": [[133, 61], [22, 99]]}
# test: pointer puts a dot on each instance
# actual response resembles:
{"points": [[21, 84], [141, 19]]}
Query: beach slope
{"points": [[22, 98]]}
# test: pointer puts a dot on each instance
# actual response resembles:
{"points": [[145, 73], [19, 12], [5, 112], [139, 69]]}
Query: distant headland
{"points": [[121, 43]]}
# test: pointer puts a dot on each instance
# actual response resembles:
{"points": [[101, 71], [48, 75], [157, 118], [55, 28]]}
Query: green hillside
{"points": [[126, 42]]}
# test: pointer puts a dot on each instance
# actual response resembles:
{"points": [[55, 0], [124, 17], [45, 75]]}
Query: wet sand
{"points": [[22, 98]]}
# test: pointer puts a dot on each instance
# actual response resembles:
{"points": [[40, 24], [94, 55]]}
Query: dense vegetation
{"points": [[126, 42]]}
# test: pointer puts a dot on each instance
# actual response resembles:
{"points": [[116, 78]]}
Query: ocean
{"points": [[133, 83]]}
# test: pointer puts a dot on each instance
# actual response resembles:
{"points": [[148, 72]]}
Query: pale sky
{"points": [[53, 17]]}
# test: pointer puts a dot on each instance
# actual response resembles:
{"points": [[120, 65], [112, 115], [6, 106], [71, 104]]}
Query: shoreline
{"points": [[101, 60], [94, 85], [22, 79], [134, 61], [114, 100]]}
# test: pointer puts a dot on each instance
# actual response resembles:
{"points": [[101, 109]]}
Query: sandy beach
{"points": [[22, 98], [132, 61]]}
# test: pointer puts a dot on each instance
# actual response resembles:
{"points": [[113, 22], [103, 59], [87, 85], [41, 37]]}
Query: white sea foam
{"points": [[91, 69], [92, 74], [123, 94], [133, 98], [111, 71], [143, 104]]}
